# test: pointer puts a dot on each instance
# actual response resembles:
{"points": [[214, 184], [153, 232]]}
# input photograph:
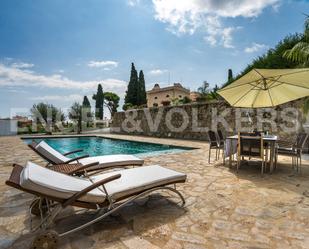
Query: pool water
{"points": [[97, 146]]}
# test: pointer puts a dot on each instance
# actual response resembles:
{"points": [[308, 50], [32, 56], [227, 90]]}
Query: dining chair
{"points": [[293, 148], [221, 140], [213, 144], [251, 147]]}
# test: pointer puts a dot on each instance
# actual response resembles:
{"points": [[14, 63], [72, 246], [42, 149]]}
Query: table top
{"points": [[265, 137]]}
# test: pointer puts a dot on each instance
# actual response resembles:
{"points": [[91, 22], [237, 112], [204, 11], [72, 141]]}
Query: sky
{"points": [[57, 51]]}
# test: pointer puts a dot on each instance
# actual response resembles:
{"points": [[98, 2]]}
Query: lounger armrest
{"points": [[72, 152], [81, 193], [76, 158], [83, 167]]}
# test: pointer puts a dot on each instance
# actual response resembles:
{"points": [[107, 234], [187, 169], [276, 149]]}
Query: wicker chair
{"points": [[292, 149], [251, 147], [214, 143]]}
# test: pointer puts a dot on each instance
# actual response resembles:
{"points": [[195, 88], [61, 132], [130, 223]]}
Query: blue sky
{"points": [[57, 51]]}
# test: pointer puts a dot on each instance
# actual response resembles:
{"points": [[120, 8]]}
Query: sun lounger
{"points": [[106, 192], [54, 157]]}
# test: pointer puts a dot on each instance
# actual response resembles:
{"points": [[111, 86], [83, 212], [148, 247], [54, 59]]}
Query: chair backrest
{"points": [[301, 140], [212, 138], [251, 146], [50, 154], [220, 135]]}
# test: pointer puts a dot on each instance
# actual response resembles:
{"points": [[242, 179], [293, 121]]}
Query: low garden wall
{"points": [[192, 121]]}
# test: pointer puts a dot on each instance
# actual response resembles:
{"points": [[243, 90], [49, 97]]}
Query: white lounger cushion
{"points": [[135, 180], [108, 160], [112, 160], [55, 184], [51, 183], [49, 152]]}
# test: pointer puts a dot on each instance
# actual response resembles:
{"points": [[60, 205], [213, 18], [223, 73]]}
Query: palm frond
{"points": [[299, 53]]}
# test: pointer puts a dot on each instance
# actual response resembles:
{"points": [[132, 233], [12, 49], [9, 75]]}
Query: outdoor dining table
{"points": [[231, 147]]}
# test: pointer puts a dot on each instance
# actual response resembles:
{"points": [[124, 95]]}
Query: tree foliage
{"points": [[141, 89], [99, 102], [136, 92], [75, 114], [299, 53], [273, 58], [111, 101], [131, 94], [47, 114]]}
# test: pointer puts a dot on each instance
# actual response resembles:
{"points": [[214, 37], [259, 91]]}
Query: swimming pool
{"points": [[96, 146]]}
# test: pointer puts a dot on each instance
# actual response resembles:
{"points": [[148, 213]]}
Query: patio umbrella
{"points": [[267, 87]]}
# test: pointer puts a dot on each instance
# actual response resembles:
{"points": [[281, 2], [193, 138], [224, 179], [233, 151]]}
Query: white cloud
{"points": [[158, 71], [67, 98], [22, 65], [133, 2], [255, 47], [185, 17], [12, 77], [106, 65]]}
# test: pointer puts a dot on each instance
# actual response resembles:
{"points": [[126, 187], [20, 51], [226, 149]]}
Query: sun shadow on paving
{"points": [[284, 178], [144, 217]]}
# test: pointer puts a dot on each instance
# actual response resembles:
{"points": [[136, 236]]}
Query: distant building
{"points": [[158, 96], [194, 96]]}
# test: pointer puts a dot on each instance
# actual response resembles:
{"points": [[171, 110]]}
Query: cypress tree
{"points": [[99, 102], [132, 92], [230, 77], [142, 89], [86, 102]]}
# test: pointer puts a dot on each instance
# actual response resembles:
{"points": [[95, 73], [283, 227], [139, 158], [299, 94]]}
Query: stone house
{"points": [[158, 96]]}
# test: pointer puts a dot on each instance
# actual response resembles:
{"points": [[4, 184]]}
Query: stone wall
{"points": [[192, 121]]}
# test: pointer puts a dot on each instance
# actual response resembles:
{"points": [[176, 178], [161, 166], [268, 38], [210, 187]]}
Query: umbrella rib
{"points": [[282, 82], [243, 96], [255, 98], [228, 88], [272, 103]]}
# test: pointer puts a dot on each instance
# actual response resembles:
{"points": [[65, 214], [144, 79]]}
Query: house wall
{"points": [[8, 127], [162, 96]]}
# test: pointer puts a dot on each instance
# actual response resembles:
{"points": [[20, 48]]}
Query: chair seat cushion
{"points": [[112, 160], [138, 179], [132, 181]]}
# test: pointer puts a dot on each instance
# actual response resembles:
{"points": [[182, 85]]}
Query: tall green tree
{"points": [[299, 53], [86, 102], [132, 92], [111, 102], [142, 99], [86, 110], [99, 102], [230, 76]]}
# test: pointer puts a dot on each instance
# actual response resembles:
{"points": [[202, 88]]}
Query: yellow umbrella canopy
{"points": [[267, 87]]}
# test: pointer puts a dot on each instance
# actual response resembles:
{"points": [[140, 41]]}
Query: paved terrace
{"points": [[223, 209]]}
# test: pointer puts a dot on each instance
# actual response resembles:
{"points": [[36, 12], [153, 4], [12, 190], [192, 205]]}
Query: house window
{"points": [[167, 96], [155, 105], [180, 96], [156, 97]]}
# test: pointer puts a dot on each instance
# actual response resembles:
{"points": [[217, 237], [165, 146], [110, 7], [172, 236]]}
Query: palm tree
{"points": [[300, 52]]}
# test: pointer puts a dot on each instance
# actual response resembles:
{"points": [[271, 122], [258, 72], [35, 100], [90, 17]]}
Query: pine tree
{"points": [[132, 92], [99, 102], [141, 90], [230, 77]]}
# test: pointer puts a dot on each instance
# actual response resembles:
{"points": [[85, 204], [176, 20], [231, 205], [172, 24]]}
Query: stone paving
{"points": [[223, 209]]}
